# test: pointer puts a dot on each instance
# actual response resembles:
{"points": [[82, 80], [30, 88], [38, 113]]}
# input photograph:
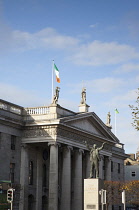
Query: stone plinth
{"points": [[91, 193], [83, 108]]}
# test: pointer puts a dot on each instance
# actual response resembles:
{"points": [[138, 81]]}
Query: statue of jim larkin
{"points": [[94, 159]]}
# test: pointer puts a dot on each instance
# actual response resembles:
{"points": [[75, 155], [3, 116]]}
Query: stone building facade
{"points": [[132, 167], [43, 153]]}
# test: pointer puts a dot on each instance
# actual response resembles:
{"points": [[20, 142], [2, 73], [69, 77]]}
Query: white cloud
{"points": [[92, 54], [129, 67], [127, 134], [93, 25], [104, 53], [21, 97], [107, 84], [46, 39], [123, 100], [103, 85]]}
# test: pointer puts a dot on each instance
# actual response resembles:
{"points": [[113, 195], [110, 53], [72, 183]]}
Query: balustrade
{"points": [[10, 108], [37, 110]]}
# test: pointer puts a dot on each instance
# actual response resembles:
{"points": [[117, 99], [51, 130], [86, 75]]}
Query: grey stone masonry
{"points": [[66, 179], [53, 177]]}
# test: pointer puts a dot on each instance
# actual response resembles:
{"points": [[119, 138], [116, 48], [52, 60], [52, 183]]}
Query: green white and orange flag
{"points": [[57, 73]]}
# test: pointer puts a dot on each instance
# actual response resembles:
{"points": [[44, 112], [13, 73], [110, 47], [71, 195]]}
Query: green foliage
{"points": [[3, 202], [132, 192], [114, 192], [135, 112]]}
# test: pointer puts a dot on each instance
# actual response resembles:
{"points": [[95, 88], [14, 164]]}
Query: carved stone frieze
{"points": [[50, 131], [70, 135], [41, 131]]}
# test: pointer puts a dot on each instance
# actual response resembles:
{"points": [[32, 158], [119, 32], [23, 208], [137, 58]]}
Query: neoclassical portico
{"points": [[62, 133], [68, 193], [51, 158]]}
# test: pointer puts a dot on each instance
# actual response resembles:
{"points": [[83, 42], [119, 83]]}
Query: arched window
{"points": [[30, 173], [44, 203], [30, 202], [44, 176]]}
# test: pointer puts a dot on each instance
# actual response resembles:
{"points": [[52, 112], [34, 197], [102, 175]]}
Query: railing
{"points": [[37, 110], [29, 111], [3, 106], [10, 108]]}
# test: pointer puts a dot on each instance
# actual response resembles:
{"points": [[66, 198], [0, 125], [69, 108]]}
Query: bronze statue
{"points": [[56, 96], [94, 159]]}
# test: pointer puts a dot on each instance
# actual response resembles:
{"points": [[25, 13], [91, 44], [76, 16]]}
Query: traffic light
{"points": [[10, 195]]}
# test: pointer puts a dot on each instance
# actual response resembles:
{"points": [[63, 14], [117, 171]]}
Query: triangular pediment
{"points": [[86, 125], [92, 124]]}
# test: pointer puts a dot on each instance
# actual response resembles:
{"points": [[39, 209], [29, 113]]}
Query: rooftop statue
{"points": [[83, 96], [56, 96], [94, 159], [108, 119]]}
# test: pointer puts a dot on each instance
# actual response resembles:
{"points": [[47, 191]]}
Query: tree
{"points": [[114, 192], [132, 192], [135, 112]]}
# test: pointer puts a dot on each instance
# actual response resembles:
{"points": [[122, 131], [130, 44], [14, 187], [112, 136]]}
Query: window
{"points": [[44, 176], [133, 173], [44, 203], [111, 166], [13, 142], [118, 168], [30, 173], [30, 202], [12, 168], [0, 139]]}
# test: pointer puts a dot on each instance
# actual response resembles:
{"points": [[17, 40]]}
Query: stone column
{"points": [[53, 176], [88, 165], [108, 168], [39, 180], [24, 171], [66, 179], [78, 194], [101, 162]]}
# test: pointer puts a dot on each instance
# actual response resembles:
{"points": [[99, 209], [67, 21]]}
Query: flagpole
{"points": [[115, 123], [52, 79]]}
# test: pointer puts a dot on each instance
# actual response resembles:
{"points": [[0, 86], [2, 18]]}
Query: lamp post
{"points": [[123, 198], [103, 197]]}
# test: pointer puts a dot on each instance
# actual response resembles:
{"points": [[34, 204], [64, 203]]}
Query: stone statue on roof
{"points": [[83, 96], [56, 96], [108, 118]]}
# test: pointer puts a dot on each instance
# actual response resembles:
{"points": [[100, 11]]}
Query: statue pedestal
{"points": [[91, 193], [83, 108]]}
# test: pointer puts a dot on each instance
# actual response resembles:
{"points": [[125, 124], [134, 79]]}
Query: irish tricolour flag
{"points": [[57, 73]]}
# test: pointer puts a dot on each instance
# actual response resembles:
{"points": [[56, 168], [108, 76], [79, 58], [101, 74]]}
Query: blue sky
{"points": [[93, 43]]}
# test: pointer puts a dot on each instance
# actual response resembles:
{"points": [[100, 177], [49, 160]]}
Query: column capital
{"points": [[69, 147], [54, 143], [109, 158], [78, 150], [81, 151], [24, 146], [101, 157]]}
